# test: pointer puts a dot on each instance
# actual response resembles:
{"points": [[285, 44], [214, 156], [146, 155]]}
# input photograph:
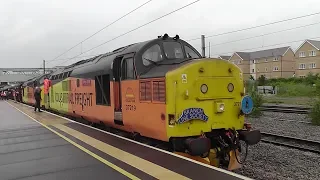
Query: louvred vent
{"points": [[145, 91], [159, 91]]}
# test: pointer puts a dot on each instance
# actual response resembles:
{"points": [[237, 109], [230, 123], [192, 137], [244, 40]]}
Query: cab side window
{"points": [[153, 54], [190, 53], [128, 69]]}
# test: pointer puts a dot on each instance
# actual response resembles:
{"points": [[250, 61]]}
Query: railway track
{"points": [[291, 142], [289, 120], [285, 109]]}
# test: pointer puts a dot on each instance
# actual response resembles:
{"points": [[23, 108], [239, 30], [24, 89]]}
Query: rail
{"points": [[291, 142], [285, 109]]}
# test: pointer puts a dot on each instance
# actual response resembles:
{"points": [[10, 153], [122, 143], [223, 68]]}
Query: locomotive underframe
{"points": [[220, 141]]}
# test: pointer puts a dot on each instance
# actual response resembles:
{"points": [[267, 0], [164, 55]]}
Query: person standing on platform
{"points": [[14, 95], [1, 95], [5, 95], [37, 97]]}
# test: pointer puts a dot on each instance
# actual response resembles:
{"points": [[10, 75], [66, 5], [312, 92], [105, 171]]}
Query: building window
{"points": [[252, 70], [302, 66], [276, 59], [312, 65], [252, 61], [266, 69], [266, 60], [302, 76], [302, 54], [275, 68], [312, 53]]}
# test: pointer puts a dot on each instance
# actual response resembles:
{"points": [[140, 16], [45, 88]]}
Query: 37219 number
{"points": [[131, 107], [236, 103]]}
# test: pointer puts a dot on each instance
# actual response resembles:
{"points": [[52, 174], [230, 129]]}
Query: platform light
{"points": [[204, 88]]}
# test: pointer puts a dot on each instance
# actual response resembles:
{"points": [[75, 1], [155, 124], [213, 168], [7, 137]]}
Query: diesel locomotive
{"points": [[161, 89]]}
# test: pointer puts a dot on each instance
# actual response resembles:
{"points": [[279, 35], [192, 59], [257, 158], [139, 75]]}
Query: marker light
{"points": [[230, 87], [204, 88]]}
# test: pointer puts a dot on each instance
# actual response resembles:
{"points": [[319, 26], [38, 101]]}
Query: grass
{"points": [[305, 101], [315, 113], [296, 90]]}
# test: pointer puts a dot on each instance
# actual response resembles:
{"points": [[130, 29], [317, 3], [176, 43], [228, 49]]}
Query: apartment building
{"points": [[272, 63], [307, 58], [242, 59]]}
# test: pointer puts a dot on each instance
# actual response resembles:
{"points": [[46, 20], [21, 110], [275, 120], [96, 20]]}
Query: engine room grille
{"points": [[159, 91], [145, 91]]}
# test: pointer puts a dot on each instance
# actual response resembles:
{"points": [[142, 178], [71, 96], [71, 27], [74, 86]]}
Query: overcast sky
{"points": [[33, 30]]}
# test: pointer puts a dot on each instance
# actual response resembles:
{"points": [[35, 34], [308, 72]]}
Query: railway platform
{"points": [[45, 146]]}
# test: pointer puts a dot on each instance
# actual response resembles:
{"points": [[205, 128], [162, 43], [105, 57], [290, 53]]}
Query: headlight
{"points": [[204, 88], [221, 107], [230, 87]]}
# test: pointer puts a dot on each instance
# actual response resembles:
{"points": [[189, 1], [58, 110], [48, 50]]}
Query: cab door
{"points": [[121, 67]]}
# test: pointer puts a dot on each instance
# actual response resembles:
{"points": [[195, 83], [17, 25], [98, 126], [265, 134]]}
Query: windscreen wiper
{"points": [[155, 63], [182, 61]]}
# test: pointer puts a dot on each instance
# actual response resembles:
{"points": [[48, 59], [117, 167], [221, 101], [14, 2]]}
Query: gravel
{"points": [[272, 122], [267, 161]]}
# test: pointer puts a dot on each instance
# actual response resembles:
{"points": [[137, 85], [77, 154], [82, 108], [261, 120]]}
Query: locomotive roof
{"points": [[99, 62], [102, 64]]}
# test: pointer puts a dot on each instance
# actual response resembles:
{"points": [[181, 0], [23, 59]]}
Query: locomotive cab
{"points": [[205, 102]]}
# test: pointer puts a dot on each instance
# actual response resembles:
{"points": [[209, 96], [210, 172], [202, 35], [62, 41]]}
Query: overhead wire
{"points": [[101, 30], [134, 29], [79, 57], [261, 35], [262, 25], [225, 53]]}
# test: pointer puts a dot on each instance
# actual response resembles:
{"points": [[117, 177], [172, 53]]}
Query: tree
{"points": [[262, 80]]}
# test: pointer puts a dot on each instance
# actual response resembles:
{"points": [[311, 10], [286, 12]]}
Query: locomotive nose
{"points": [[205, 94]]}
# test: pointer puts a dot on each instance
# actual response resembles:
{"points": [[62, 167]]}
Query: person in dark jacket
{"points": [[37, 97]]}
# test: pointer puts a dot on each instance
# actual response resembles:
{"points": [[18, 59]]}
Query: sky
{"points": [[35, 30]]}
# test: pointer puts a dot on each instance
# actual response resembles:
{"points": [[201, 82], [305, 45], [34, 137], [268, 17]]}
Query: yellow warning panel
{"points": [[196, 158], [233, 164]]}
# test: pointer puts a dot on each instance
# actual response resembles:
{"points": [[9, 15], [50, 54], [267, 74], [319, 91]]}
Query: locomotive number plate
{"points": [[237, 103]]}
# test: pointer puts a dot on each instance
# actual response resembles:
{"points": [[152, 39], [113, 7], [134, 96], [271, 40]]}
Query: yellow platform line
{"points": [[122, 171], [146, 166], [141, 164]]}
